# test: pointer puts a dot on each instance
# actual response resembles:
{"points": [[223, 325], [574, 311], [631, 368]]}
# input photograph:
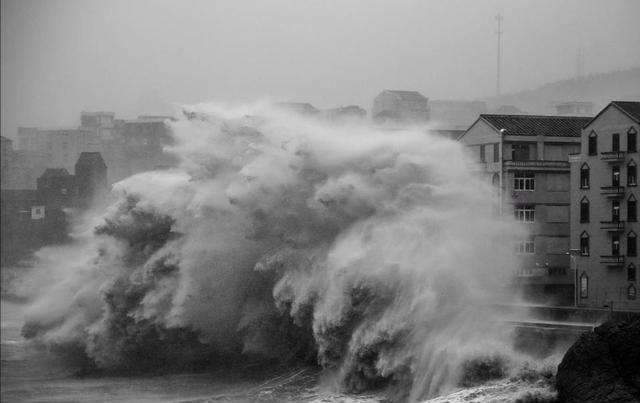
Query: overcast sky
{"points": [[139, 56]]}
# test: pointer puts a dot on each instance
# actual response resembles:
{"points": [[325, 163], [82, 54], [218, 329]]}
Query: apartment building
{"points": [[604, 209], [527, 159]]}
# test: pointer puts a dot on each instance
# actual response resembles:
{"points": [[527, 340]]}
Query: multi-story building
{"points": [[400, 107], [6, 160], [61, 145], [144, 140], [527, 159], [604, 213]]}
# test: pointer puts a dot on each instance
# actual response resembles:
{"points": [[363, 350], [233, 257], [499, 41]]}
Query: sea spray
{"points": [[375, 254]]}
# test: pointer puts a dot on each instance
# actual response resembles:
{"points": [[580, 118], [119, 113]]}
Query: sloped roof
{"points": [[630, 108], [531, 125], [408, 95], [90, 158], [51, 172]]}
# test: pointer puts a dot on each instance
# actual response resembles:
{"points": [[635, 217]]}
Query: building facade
{"points": [[604, 213], [60, 145], [527, 159]]}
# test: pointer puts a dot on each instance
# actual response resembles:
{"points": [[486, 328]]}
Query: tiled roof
{"points": [[525, 125], [408, 95], [630, 108]]}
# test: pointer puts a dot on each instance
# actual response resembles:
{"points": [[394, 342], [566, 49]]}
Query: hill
{"points": [[597, 88]]}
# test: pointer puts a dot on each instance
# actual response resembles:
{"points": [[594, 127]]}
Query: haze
{"points": [[140, 57]]}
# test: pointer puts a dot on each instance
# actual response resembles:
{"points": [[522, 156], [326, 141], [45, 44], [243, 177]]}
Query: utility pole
{"points": [[499, 32]]}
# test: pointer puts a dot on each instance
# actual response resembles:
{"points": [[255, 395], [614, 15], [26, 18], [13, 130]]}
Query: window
{"points": [[584, 176], [615, 142], [632, 174], [632, 140], [526, 246], [615, 245], [525, 213], [584, 285], [496, 152], [631, 292], [615, 211], [584, 244], [524, 181], [482, 154], [632, 209], [584, 210], [615, 176], [593, 143], [632, 244], [520, 152], [631, 273]]}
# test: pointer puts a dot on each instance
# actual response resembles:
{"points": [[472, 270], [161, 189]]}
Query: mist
{"points": [[142, 57]]}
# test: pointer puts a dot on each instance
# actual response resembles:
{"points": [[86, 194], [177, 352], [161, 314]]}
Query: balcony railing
{"points": [[612, 191], [612, 226], [612, 156], [612, 260], [529, 164]]}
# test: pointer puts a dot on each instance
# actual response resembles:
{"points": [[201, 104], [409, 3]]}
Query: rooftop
{"points": [[408, 95], [630, 108], [55, 172], [532, 125], [90, 158]]}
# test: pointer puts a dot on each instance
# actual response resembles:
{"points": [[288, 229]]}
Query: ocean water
{"points": [[31, 375]]}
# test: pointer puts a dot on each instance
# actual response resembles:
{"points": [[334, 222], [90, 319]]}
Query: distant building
{"points": [[400, 107], [508, 110], [6, 149], [21, 229], [61, 145], [57, 190], [102, 122], [143, 140], [527, 160], [345, 114], [575, 108], [604, 214], [91, 179], [20, 168], [301, 108]]}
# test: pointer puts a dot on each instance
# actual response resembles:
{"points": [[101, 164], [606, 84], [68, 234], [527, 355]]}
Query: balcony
{"points": [[612, 191], [537, 165], [612, 226], [612, 260], [530, 272], [612, 156]]}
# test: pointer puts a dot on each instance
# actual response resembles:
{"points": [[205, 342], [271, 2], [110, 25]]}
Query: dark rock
{"points": [[603, 366]]}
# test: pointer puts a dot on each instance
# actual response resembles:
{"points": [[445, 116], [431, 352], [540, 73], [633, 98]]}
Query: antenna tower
{"points": [[499, 32]]}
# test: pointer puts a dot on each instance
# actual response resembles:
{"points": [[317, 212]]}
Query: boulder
{"points": [[602, 366]]}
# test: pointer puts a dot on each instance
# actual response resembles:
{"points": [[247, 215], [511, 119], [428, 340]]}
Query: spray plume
{"points": [[372, 253]]}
